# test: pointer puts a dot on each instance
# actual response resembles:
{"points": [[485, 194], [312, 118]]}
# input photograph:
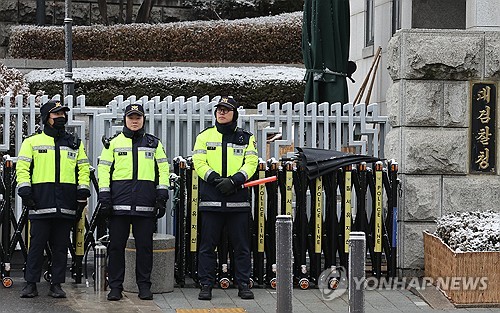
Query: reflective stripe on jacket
{"points": [[55, 168], [226, 155], [133, 170]]}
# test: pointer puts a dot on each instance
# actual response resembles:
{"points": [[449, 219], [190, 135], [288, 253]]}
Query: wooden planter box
{"points": [[442, 263]]}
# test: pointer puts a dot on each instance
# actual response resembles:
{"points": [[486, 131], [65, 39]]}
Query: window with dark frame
{"points": [[396, 15], [369, 33]]}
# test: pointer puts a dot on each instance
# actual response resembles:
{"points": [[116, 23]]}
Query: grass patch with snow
{"points": [[249, 85], [470, 231]]}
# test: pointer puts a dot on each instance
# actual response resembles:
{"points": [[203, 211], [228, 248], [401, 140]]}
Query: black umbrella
{"points": [[325, 47], [320, 162]]}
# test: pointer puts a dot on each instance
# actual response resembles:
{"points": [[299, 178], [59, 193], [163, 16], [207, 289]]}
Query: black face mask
{"points": [[59, 122]]}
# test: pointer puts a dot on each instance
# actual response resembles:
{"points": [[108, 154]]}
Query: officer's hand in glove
{"points": [[25, 194], [214, 178], [225, 186], [82, 194], [106, 210], [160, 208], [29, 203]]}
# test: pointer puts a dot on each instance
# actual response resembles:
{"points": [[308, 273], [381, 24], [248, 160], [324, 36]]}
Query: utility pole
{"points": [[68, 82]]}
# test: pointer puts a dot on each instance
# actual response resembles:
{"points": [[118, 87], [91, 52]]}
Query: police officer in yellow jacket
{"points": [[224, 156], [133, 176], [52, 174]]}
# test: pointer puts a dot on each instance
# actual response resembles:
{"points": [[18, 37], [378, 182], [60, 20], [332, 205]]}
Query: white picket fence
{"points": [[177, 122]]}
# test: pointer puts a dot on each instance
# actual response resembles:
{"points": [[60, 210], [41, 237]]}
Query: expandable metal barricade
{"points": [[12, 238], [322, 211]]}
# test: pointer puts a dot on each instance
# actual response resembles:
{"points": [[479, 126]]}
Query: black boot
{"points": [[115, 294], [244, 291], [205, 293], [29, 291], [145, 294], [56, 291]]}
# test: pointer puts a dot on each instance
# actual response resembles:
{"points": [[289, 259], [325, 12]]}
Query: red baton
{"points": [[259, 181]]}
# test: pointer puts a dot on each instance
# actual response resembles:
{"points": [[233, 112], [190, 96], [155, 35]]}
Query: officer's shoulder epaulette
{"points": [[244, 131], [152, 136], [152, 140], [38, 132], [73, 140], [209, 127], [115, 135], [107, 141]]}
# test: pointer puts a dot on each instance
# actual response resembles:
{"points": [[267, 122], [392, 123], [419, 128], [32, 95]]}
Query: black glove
{"points": [[25, 194], [105, 197], [79, 208], [24, 191], [162, 194], [29, 203], [82, 194], [238, 179], [106, 210], [225, 186], [212, 178], [160, 208]]}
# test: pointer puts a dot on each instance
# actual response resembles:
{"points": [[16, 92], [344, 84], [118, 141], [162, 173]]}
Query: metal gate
{"points": [[278, 127]]}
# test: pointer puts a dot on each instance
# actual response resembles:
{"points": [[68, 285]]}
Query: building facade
{"points": [[374, 22], [435, 68]]}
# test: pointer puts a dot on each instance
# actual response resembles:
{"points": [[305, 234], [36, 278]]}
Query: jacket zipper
{"points": [[135, 166], [57, 153]]}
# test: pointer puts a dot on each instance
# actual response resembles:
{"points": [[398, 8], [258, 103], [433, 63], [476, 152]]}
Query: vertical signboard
{"points": [[483, 128]]}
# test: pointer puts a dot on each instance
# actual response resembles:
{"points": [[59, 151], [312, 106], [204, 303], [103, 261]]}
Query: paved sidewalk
{"points": [[377, 301], [84, 299]]}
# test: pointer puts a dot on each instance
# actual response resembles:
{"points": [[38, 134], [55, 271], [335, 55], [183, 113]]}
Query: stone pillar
{"points": [[483, 15], [428, 106], [162, 275]]}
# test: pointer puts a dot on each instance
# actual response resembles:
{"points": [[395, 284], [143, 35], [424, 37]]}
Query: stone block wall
{"points": [[429, 109]]}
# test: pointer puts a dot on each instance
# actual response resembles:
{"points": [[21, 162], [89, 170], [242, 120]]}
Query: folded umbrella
{"points": [[318, 162]]}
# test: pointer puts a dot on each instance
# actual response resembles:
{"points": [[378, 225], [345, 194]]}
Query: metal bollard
{"points": [[357, 259], [100, 268], [284, 259]]}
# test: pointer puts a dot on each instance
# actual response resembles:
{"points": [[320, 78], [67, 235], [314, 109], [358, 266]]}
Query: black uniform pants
{"points": [[119, 229], [237, 224], [56, 231]]}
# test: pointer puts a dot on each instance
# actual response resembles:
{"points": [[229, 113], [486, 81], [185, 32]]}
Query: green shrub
{"points": [[249, 86], [275, 39]]}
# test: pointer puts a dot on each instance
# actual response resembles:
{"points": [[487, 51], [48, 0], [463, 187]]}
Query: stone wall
{"points": [[85, 12], [428, 106]]}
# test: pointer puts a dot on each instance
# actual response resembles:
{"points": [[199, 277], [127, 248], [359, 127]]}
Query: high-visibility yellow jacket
{"points": [[135, 171], [232, 155], [55, 168]]}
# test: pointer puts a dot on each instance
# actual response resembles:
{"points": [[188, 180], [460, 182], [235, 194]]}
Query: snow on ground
{"points": [[470, 231], [201, 74]]}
